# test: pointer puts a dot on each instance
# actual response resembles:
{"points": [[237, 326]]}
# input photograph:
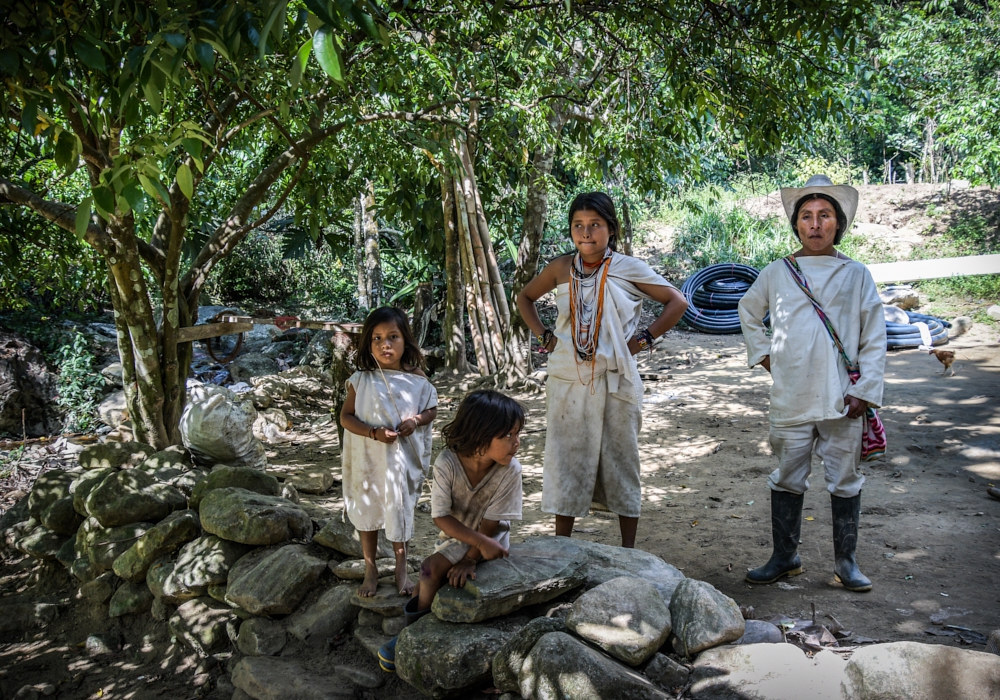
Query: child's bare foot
{"points": [[370, 584], [403, 582]]}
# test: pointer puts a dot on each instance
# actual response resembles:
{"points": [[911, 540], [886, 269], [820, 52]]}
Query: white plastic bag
{"points": [[219, 430]]}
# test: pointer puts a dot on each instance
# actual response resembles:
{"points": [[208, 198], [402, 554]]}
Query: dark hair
{"points": [[387, 314], [601, 204], [841, 216], [482, 416]]}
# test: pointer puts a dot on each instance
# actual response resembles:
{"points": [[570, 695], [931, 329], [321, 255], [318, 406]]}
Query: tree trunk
{"points": [[454, 327], [517, 356], [364, 303], [373, 264], [423, 307], [626, 233], [477, 320]]}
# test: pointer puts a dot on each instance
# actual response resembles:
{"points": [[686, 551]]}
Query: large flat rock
{"points": [[205, 625], [84, 484], [561, 666], [328, 615], [509, 659], [115, 454], [275, 582], [243, 516], [103, 546], [164, 538], [626, 617], [223, 476], [132, 496], [338, 534], [536, 571], [269, 678], [767, 672], [441, 658], [206, 560], [607, 562], [47, 489], [921, 672]]}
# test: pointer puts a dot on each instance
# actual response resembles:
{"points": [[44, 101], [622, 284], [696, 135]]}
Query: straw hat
{"points": [[845, 195]]}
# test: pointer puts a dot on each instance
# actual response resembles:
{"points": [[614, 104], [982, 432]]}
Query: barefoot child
{"points": [[387, 439], [593, 392], [477, 492]]}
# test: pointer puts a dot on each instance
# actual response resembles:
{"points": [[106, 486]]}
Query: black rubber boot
{"points": [[846, 513], [387, 652], [786, 526]]}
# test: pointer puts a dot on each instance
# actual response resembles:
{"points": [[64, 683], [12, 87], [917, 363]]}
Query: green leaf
{"points": [[321, 10], [67, 152], [154, 188], [327, 55], [278, 11], [185, 180], [83, 212], [89, 54], [104, 198], [133, 195], [174, 39], [205, 54], [299, 64], [29, 117], [365, 21], [152, 94]]}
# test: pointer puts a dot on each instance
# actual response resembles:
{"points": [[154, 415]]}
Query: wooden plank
{"points": [[913, 270], [337, 326], [211, 330]]}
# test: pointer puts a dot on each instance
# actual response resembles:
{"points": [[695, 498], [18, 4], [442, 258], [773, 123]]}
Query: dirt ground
{"points": [[929, 532]]}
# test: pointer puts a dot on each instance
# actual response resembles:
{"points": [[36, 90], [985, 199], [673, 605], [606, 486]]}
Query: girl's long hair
{"points": [[600, 203], [387, 314]]}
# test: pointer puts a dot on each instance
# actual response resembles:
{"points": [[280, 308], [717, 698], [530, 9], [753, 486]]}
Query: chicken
{"points": [[946, 357]]}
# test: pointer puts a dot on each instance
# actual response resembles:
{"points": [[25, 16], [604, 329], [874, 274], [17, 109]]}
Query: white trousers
{"points": [[837, 442]]}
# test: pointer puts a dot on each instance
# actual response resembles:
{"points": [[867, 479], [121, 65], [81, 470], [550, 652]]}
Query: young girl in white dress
{"points": [[387, 420]]}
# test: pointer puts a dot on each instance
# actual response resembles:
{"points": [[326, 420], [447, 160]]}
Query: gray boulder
{"points": [[101, 588], [113, 375], [84, 484], [279, 347], [206, 561], [318, 352], [60, 517], [441, 658], [27, 389], [608, 562], [387, 601], [667, 673], [338, 534], [769, 672], [42, 543], [921, 672], [560, 666], [132, 496], [113, 410], [174, 457], [205, 625], [162, 539], [536, 571], [115, 454], [625, 617], [49, 488], [275, 583], [244, 516], [328, 615], [312, 478], [703, 617], [103, 545], [760, 632], [261, 637], [130, 599], [269, 678], [165, 587], [223, 476], [509, 659], [252, 364]]}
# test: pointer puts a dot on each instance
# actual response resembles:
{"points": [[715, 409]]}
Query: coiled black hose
{"points": [[902, 335], [713, 294]]}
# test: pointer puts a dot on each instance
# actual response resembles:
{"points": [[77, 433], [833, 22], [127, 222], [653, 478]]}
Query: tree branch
{"points": [[62, 215]]}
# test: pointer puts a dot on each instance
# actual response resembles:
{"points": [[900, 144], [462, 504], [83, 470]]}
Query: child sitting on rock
{"points": [[387, 420], [476, 493]]}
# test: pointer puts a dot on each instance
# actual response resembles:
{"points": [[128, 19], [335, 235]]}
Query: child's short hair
{"points": [[600, 203], [482, 416], [387, 314]]}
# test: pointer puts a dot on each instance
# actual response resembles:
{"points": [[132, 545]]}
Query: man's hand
{"points": [[465, 569], [491, 549], [766, 363], [407, 427], [855, 407]]}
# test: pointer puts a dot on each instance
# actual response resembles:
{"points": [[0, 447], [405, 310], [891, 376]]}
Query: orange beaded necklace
{"points": [[585, 318]]}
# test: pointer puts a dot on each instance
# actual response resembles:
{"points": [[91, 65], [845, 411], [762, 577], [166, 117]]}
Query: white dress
{"points": [[593, 415], [382, 482]]}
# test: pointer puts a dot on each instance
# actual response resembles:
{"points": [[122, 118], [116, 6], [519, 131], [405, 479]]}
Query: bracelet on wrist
{"points": [[645, 340], [372, 432], [544, 337], [470, 560]]}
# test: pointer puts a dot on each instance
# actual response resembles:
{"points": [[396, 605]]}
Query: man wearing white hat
{"points": [[814, 295]]}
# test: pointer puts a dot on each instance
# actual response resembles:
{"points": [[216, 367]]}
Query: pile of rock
{"points": [[239, 572]]}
